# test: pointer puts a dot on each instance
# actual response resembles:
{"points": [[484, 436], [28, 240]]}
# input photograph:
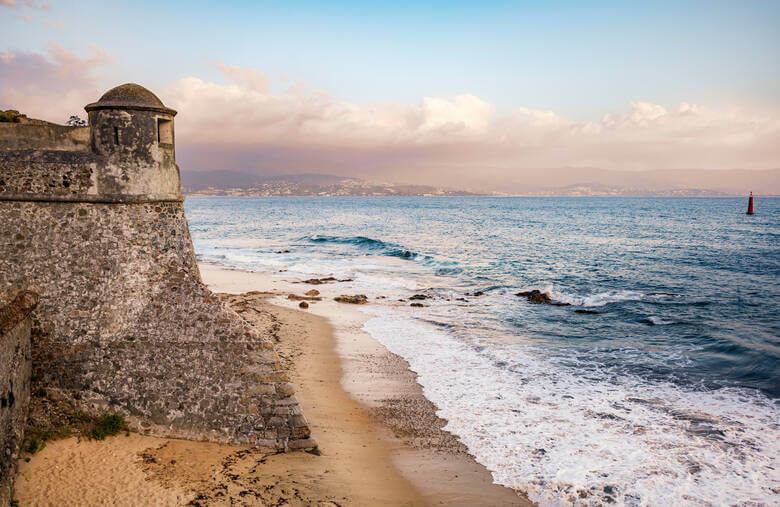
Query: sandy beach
{"points": [[380, 441]]}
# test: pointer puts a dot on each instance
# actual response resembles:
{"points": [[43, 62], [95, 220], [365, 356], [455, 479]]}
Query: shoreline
{"points": [[433, 460], [380, 440]]}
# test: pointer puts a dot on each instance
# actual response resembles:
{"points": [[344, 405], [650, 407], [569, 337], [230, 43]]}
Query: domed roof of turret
{"points": [[130, 96]]}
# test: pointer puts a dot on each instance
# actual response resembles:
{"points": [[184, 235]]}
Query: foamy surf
{"points": [[656, 386], [564, 438], [594, 300]]}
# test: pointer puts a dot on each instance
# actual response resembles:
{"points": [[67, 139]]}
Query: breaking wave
{"points": [[375, 246], [593, 300]]}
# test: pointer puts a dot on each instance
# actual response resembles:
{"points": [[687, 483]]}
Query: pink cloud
{"points": [[459, 139], [51, 86], [57, 24], [43, 6], [248, 78]]}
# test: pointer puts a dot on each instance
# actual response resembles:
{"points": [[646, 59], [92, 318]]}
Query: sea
{"points": [[654, 380]]}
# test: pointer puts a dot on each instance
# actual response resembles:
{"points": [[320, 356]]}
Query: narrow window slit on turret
{"points": [[164, 131], [116, 135]]}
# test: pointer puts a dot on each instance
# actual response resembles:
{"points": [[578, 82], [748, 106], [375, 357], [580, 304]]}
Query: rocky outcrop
{"points": [[537, 297]]}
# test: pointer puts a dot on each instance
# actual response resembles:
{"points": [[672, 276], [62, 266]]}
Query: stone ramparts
{"points": [[124, 322], [15, 363]]}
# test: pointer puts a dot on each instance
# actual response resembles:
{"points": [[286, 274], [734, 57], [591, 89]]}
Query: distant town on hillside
{"points": [[229, 183], [236, 183]]}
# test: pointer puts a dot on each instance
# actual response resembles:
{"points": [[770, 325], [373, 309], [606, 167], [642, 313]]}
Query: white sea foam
{"points": [[567, 439], [659, 321], [599, 299]]}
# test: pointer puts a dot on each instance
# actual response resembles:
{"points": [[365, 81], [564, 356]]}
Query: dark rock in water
{"points": [[320, 281], [303, 304], [358, 299], [475, 294], [462, 299], [282, 251], [417, 305], [313, 292], [590, 312], [418, 297], [537, 297]]}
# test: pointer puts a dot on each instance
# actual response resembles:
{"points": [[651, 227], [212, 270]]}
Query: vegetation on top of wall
{"points": [[75, 121], [9, 116]]}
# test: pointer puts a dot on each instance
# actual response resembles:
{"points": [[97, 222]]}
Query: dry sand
{"points": [[380, 440]]}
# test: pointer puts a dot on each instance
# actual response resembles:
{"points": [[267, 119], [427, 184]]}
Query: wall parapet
{"points": [[15, 136], [67, 176]]}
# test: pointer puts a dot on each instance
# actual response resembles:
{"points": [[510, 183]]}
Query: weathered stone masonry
{"points": [[124, 322], [15, 357]]}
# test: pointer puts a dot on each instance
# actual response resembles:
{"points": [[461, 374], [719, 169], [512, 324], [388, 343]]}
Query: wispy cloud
{"points": [[50, 86], [57, 24], [43, 6]]}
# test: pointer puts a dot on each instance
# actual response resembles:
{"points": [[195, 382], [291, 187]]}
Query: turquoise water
{"points": [[657, 382]]}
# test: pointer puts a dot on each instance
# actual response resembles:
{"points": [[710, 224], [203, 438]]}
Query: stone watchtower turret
{"points": [[92, 220], [132, 129]]}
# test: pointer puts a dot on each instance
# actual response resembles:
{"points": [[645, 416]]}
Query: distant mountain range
{"points": [[660, 182], [563, 182]]}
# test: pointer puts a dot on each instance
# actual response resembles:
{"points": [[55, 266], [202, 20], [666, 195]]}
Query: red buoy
{"points": [[750, 204]]}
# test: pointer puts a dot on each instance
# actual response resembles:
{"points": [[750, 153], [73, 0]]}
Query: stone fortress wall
{"points": [[15, 362], [124, 323]]}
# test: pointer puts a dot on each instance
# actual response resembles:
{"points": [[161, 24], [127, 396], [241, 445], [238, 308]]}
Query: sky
{"points": [[418, 92]]}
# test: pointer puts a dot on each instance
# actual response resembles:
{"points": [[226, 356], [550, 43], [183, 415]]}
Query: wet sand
{"points": [[380, 440]]}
